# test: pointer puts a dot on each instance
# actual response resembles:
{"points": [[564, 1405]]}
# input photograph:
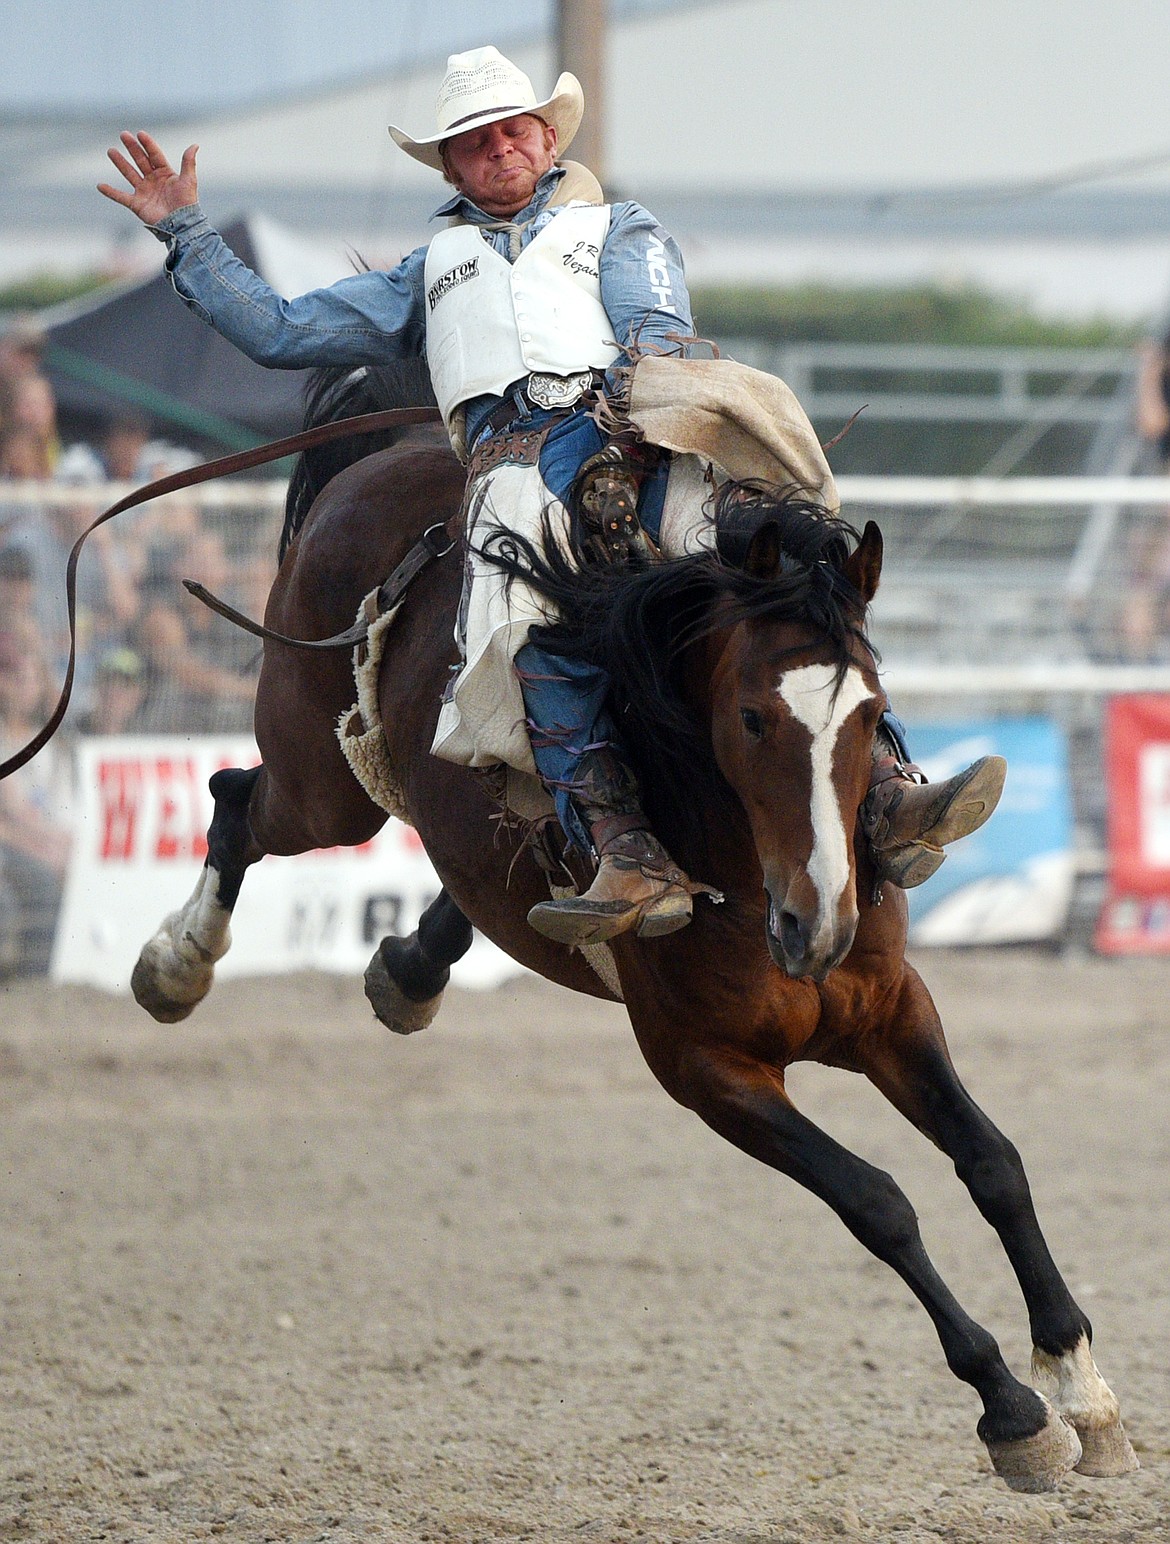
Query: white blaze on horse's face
{"points": [[809, 695]]}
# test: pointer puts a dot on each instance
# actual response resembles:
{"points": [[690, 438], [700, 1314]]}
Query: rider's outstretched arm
{"points": [[369, 318]]}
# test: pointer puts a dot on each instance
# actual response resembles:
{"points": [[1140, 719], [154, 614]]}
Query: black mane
{"points": [[333, 393], [637, 623]]}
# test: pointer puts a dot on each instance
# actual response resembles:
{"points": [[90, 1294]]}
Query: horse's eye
{"points": [[752, 722]]}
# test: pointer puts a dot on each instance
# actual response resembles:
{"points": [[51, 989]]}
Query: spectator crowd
{"points": [[150, 659]]}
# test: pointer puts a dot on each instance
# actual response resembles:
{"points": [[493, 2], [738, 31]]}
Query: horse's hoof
{"points": [[168, 986], [391, 1005], [1074, 1386], [1038, 1462], [1107, 1453], [144, 985]]}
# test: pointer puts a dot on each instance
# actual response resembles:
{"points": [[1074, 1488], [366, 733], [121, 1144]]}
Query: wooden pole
{"points": [[581, 36]]}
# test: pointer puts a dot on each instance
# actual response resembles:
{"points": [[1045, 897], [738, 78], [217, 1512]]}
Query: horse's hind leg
{"points": [[176, 966], [745, 1101], [914, 1071], [406, 978]]}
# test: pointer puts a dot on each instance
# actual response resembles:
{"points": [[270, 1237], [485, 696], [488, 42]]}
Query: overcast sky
{"points": [[183, 54]]}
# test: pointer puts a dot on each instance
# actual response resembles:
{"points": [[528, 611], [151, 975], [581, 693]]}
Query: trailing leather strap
{"points": [[242, 461], [435, 542]]}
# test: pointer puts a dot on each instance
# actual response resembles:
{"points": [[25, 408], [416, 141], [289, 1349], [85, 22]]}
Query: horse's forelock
{"points": [[807, 531], [810, 584]]}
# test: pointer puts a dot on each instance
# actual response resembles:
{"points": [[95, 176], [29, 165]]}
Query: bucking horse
{"points": [[748, 695]]}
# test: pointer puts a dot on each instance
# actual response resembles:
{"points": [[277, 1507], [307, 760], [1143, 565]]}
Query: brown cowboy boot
{"points": [[606, 498], [638, 887], [908, 821]]}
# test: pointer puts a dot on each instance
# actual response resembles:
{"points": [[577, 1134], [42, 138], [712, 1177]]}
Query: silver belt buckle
{"points": [[551, 391]]}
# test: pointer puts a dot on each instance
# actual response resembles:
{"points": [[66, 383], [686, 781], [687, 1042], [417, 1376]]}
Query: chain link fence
{"points": [[151, 659]]}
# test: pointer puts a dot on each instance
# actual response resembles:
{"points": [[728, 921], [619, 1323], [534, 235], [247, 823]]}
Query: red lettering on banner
{"points": [[180, 832], [1135, 918], [155, 809], [120, 791]]}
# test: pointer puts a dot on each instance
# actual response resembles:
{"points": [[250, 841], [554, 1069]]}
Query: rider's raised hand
{"points": [[156, 189]]}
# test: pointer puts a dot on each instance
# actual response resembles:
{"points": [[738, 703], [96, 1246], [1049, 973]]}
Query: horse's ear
{"points": [[863, 566], [762, 560]]}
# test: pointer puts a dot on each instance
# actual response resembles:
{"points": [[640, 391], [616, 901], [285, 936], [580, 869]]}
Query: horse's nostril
{"points": [[792, 936], [786, 927]]}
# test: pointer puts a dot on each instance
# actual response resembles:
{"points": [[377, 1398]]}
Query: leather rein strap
{"points": [[242, 461], [435, 542]]}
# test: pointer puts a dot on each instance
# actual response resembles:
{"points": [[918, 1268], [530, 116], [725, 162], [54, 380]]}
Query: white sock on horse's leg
{"points": [[175, 969], [1081, 1396]]}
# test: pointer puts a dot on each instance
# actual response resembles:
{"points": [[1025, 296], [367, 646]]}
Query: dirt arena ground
{"points": [[276, 1275]]}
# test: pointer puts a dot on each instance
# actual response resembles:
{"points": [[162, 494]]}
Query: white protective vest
{"points": [[491, 322]]}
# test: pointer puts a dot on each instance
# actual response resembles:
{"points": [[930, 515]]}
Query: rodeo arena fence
{"points": [[1024, 616]]}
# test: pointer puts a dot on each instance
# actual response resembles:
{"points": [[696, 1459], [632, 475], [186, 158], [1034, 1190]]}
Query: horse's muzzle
{"points": [[805, 944]]}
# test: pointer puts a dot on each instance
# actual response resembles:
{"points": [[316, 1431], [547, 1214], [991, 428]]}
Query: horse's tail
{"points": [[334, 393]]}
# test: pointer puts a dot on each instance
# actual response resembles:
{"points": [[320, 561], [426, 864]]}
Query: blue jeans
{"points": [[564, 698], [565, 701]]}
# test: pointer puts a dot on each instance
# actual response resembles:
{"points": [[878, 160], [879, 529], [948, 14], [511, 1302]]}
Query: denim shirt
{"points": [[377, 317]]}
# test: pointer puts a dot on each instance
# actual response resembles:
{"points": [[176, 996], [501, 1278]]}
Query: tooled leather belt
{"points": [[541, 393]]}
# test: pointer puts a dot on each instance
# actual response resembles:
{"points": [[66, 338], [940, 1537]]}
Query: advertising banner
{"points": [[1136, 916], [140, 843], [1012, 880]]}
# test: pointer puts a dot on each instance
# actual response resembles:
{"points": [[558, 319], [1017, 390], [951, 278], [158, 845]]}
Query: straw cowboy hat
{"points": [[481, 86]]}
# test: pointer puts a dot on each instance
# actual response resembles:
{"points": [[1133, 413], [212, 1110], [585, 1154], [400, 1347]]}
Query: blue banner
{"points": [[1011, 881]]}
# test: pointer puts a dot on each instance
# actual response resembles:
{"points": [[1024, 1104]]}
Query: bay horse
{"points": [[748, 697]]}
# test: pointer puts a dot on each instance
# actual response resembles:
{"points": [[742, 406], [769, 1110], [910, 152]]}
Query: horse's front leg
{"points": [[746, 1102], [913, 1069], [175, 969]]}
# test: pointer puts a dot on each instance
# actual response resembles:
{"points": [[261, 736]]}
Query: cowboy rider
{"points": [[534, 289]]}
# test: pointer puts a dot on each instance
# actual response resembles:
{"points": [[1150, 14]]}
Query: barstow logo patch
{"points": [[451, 280]]}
